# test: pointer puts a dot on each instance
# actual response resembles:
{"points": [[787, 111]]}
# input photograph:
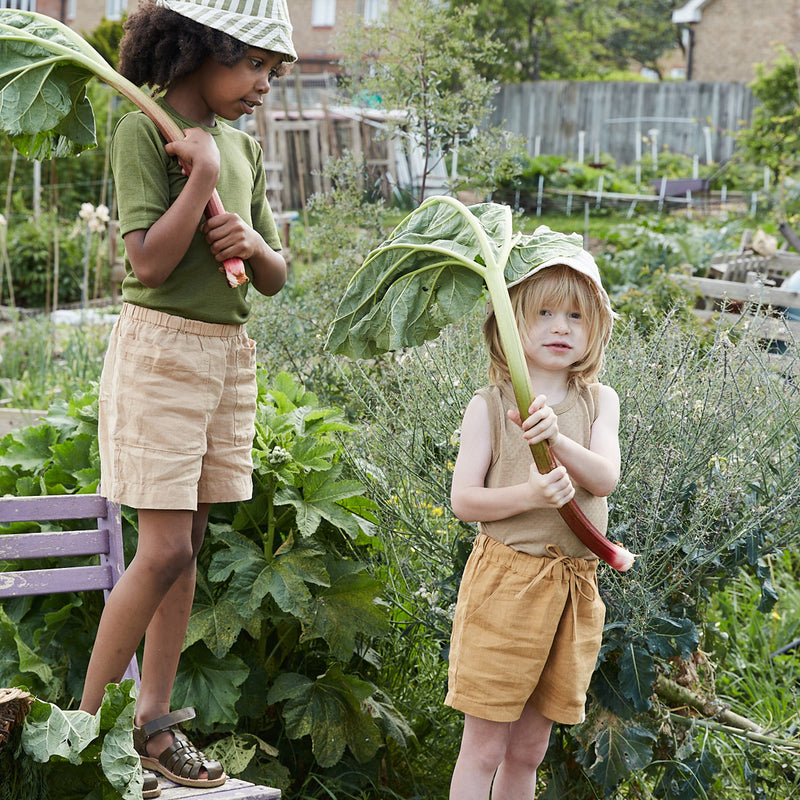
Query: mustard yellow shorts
{"points": [[525, 629], [177, 411]]}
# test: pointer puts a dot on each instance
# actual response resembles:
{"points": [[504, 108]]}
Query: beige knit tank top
{"points": [[532, 531]]}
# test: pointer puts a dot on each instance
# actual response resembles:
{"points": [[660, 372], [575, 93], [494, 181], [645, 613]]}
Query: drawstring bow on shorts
{"points": [[578, 583]]}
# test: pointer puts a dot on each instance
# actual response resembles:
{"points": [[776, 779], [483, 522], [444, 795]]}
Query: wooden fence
{"points": [[588, 120]]}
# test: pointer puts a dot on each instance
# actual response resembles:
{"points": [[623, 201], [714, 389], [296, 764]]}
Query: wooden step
{"points": [[232, 789]]}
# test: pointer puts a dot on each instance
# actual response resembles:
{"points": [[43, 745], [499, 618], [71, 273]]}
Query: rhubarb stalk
{"points": [[55, 45]]}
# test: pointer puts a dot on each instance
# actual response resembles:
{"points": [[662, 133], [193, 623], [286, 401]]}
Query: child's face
{"points": [[556, 338], [232, 91]]}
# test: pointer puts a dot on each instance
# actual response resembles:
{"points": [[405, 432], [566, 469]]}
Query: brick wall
{"points": [[734, 35]]}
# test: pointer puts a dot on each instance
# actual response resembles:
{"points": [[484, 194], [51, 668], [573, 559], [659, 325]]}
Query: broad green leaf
{"points": [[209, 684], [620, 750], [237, 751], [118, 759], [391, 722], [17, 658], [345, 610], [284, 577], [29, 447], [690, 778], [329, 709], [50, 732], [320, 499], [43, 103], [637, 674], [216, 622], [667, 637], [432, 271]]}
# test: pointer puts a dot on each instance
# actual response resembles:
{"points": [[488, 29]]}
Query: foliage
{"points": [[771, 138], [643, 30], [568, 40], [31, 254], [105, 38], [87, 754], [422, 62], [278, 647]]}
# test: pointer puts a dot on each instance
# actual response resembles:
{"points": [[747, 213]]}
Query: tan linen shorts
{"points": [[525, 628], [176, 412]]}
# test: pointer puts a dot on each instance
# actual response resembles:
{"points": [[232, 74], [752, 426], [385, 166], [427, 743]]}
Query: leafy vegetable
{"points": [[44, 69], [430, 272], [61, 738]]}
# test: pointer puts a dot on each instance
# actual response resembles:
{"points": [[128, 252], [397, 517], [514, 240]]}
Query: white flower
{"points": [[102, 213], [3, 222], [87, 211]]}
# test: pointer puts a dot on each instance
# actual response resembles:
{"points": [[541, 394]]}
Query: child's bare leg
{"points": [[164, 639], [483, 747], [527, 744], [164, 550]]}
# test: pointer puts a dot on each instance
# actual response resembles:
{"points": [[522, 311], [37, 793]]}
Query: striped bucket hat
{"points": [[259, 23]]}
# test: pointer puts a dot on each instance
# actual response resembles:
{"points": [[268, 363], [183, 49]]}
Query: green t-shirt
{"points": [[148, 181]]}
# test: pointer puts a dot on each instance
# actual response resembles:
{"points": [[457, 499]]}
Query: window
{"points": [[19, 5], [323, 13], [374, 9], [115, 9]]}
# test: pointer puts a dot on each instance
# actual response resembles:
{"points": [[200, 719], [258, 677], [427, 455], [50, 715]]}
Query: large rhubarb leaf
{"points": [[43, 104]]}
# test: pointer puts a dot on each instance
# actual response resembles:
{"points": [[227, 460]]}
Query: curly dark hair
{"points": [[160, 46]]}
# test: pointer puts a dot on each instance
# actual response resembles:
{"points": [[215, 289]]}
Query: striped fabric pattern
{"points": [[259, 23]]}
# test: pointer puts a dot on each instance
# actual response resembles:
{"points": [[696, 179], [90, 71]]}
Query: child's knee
{"points": [[488, 756], [169, 561], [528, 754]]}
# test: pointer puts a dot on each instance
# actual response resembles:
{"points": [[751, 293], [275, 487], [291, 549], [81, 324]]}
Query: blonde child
{"points": [[178, 391], [529, 618]]}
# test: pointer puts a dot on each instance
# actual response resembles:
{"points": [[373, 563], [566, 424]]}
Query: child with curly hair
{"points": [[178, 390]]}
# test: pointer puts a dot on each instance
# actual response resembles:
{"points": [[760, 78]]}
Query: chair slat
{"points": [[54, 581], [68, 506], [15, 546]]}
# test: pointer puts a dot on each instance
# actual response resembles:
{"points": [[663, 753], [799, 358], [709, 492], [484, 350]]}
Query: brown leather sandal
{"points": [[181, 761], [150, 787]]}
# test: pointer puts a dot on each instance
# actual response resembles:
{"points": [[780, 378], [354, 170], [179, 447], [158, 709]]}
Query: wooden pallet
{"points": [[232, 789]]}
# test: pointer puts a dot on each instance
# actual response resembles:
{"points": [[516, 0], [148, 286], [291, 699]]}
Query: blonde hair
{"points": [[555, 286]]}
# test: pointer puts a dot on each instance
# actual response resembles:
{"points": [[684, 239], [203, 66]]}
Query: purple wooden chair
{"points": [[104, 540]]}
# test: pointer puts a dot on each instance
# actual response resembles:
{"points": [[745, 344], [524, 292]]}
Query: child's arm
{"points": [[597, 468], [155, 252], [229, 236], [472, 501]]}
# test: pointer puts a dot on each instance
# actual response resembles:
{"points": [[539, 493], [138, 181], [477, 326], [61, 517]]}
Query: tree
{"points": [[574, 39], [643, 31], [426, 65], [772, 137]]}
